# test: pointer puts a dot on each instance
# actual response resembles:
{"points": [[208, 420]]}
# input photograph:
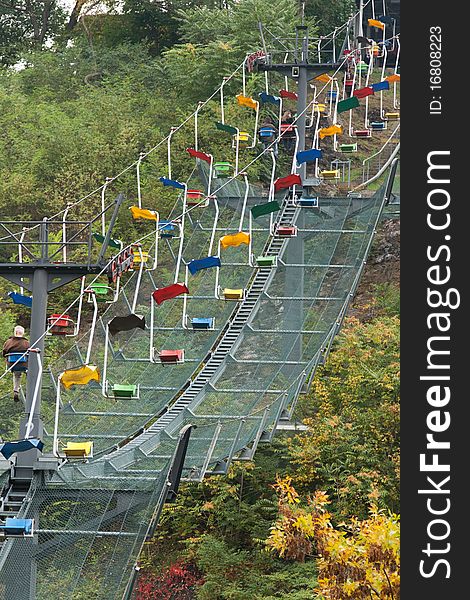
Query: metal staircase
{"points": [[15, 491]]}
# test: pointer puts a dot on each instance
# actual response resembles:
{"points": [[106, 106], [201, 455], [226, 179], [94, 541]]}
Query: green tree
{"points": [[329, 14], [26, 24], [351, 449]]}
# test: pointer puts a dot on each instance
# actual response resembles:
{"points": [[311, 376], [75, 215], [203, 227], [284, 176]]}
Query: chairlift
{"points": [[117, 390]]}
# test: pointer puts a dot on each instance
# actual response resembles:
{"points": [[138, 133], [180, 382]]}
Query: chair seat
{"points": [[306, 202], [230, 294], [171, 356], [17, 527], [202, 322], [121, 390], [347, 148], [78, 449], [362, 133], [286, 231], [333, 174], [266, 261]]}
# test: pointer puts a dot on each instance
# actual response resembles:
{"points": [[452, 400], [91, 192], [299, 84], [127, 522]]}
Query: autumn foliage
{"points": [[177, 582], [357, 560]]}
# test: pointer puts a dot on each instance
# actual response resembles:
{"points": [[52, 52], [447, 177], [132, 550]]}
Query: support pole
{"points": [[37, 328], [302, 34]]}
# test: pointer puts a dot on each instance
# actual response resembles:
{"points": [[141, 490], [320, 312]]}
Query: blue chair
{"points": [[20, 360], [202, 323], [17, 527]]}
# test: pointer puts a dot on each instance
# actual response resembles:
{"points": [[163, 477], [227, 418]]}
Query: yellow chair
{"points": [[233, 294], [334, 174], [81, 450], [243, 138], [138, 259]]}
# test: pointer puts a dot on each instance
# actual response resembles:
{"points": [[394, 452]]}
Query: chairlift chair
{"points": [[243, 138], [222, 169], [195, 198], [17, 528], [121, 390], [363, 133], [378, 125], [167, 229], [266, 261], [232, 294], [330, 174], [102, 292], [60, 324], [203, 323], [170, 357], [17, 361], [348, 148], [286, 231], [306, 201], [391, 116], [116, 390], [78, 450]]}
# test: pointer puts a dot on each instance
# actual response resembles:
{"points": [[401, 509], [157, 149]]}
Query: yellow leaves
{"points": [[284, 488], [304, 523], [350, 587], [277, 540], [361, 557]]}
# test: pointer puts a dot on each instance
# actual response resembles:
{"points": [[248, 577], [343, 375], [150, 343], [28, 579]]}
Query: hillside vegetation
{"points": [[316, 515]]}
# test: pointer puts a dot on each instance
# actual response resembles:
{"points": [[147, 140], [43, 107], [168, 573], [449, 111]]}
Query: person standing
{"points": [[17, 343]]}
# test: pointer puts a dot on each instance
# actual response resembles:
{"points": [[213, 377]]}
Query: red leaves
{"points": [[177, 582]]}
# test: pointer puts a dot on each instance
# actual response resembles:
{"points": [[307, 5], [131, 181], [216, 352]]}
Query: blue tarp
{"points": [[21, 299], [196, 265], [172, 183], [264, 97], [9, 448], [308, 155], [382, 85]]}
